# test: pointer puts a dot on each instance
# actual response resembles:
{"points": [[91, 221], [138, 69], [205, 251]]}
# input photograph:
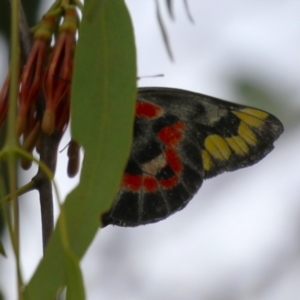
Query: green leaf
{"points": [[75, 288], [103, 105]]}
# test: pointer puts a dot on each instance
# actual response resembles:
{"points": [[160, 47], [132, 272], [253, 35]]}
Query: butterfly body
{"points": [[181, 138]]}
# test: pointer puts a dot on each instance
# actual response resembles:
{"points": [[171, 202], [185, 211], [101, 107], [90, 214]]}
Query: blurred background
{"points": [[239, 237]]}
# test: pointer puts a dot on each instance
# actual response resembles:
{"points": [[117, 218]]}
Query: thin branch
{"points": [[187, 10], [169, 4], [11, 139], [49, 145], [163, 31]]}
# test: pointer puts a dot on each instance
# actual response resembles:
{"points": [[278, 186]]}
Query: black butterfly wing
{"points": [[181, 138]]}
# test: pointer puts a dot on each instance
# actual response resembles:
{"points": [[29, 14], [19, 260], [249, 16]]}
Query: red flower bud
{"points": [[57, 79], [31, 78], [62, 115], [4, 100]]}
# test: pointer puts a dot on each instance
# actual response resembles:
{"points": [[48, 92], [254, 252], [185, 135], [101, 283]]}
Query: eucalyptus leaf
{"points": [[75, 288], [103, 106]]}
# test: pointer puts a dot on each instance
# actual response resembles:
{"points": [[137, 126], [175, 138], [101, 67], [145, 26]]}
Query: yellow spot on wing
{"points": [[238, 145], [248, 119], [255, 113], [207, 161], [217, 147], [247, 134]]}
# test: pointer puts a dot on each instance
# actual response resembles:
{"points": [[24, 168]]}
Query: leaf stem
{"points": [[30, 186], [11, 139]]}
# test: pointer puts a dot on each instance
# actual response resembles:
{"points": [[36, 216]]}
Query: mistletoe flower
{"points": [[31, 78], [57, 79], [62, 115], [31, 134]]}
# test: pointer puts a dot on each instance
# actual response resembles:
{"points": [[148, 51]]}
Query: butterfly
{"points": [[180, 139]]}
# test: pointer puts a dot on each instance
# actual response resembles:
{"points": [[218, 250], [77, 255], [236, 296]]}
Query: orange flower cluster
{"points": [[45, 79]]}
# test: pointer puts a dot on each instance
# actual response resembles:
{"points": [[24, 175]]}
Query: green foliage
{"points": [[75, 286], [103, 98]]}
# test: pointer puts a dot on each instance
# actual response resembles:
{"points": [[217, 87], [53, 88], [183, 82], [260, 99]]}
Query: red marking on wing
{"points": [[132, 182], [150, 184], [172, 135], [147, 110], [173, 159], [169, 183], [179, 125]]}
